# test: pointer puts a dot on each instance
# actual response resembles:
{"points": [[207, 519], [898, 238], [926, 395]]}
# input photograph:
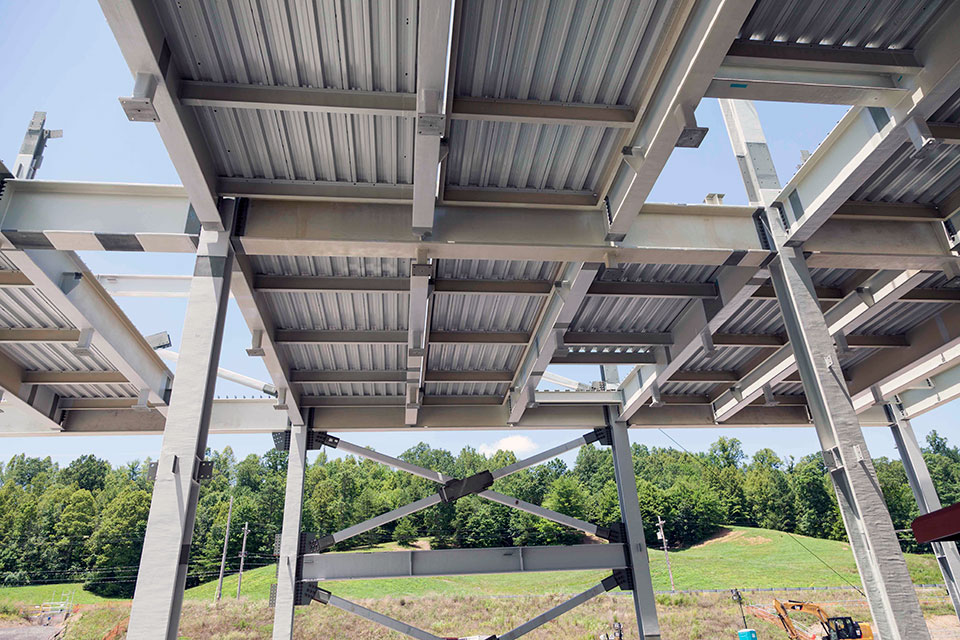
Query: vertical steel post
{"points": [[883, 570], [918, 476], [290, 535], [223, 556], [243, 556], [158, 598], [636, 545]]}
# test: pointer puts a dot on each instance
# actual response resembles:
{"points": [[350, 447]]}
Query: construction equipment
{"points": [[835, 627]]}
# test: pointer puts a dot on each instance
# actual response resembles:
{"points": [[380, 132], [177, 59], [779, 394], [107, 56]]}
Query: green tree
{"points": [[116, 544], [405, 532], [87, 472]]}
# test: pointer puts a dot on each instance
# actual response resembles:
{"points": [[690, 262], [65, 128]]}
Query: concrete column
{"points": [[883, 570], [290, 536], [158, 598], [643, 599], [918, 476]]}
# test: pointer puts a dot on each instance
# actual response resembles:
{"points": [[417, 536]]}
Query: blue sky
{"points": [[61, 57]]}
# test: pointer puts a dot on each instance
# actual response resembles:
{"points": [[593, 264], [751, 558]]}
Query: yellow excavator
{"points": [[836, 627]]}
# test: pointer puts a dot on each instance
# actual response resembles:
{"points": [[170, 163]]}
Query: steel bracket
{"points": [[457, 488]]}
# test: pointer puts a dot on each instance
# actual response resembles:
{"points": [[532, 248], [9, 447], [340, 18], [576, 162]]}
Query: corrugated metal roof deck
{"points": [[885, 24]]}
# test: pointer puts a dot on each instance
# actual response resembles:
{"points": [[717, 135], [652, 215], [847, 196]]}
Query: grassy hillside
{"points": [[739, 557]]}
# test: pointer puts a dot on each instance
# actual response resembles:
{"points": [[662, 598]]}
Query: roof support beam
{"points": [[712, 28], [936, 390], [301, 99], [64, 280], [314, 336], [867, 137], [41, 378], [36, 407], [735, 286], [540, 112], [261, 327], [737, 79], [812, 57], [418, 334], [259, 416], [44, 336], [884, 289], [547, 339], [434, 34], [140, 34], [934, 346]]}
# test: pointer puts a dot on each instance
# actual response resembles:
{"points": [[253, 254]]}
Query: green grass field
{"points": [[739, 557]]}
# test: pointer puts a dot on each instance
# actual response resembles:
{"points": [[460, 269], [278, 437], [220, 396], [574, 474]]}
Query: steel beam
{"points": [[934, 346], [711, 29], [821, 57], [39, 406], [239, 416], [555, 612], [735, 285], [158, 598], [738, 80], [379, 618], [636, 547], [548, 336], [935, 390], [542, 112], [140, 34], [420, 310], [867, 137], [434, 37], [289, 566], [461, 562], [260, 323], [300, 99], [921, 484], [885, 288], [883, 570], [64, 280]]}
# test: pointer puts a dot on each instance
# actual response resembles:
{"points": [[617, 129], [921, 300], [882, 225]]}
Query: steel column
{"points": [[643, 599], [290, 535], [918, 476], [158, 598], [883, 570]]}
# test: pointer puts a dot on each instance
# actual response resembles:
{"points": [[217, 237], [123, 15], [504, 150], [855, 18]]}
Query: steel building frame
{"points": [[476, 205]]}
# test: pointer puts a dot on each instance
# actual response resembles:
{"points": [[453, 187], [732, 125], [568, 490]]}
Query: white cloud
{"points": [[518, 444]]}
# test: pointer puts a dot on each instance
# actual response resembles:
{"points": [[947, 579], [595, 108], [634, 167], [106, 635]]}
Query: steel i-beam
{"points": [[289, 561], [921, 484], [883, 570], [158, 598]]}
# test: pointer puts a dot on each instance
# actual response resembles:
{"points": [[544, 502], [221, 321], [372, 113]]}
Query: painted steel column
{"points": [[918, 476], [643, 599], [883, 570], [158, 598], [290, 536]]}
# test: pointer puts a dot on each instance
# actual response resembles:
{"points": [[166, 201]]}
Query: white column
{"points": [[883, 570], [290, 536], [643, 598], [166, 547], [918, 476]]}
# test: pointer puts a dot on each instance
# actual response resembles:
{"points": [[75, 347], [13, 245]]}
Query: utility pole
{"points": [[223, 558], [243, 555], [666, 554]]}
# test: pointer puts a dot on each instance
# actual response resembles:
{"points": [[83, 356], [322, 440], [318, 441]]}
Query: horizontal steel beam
{"points": [[233, 416], [14, 280], [73, 377], [397, 105], [301, 99], [814, 56], [49, 336], [348, 377], [542, 112], [459, 562], [312, 336], [270, 189]]}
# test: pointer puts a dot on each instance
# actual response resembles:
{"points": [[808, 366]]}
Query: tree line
{"points": [[86, 521]]}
